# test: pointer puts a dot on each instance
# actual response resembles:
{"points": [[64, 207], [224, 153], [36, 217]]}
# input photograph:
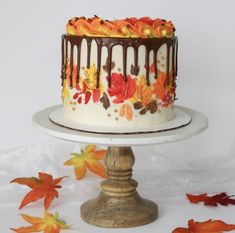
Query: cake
{"points": [[119, 73]]}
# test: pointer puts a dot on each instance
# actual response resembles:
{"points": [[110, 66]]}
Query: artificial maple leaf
{"points": [[49, 224], [88, 158], [222, 199], [44, 186], [210, 226]]}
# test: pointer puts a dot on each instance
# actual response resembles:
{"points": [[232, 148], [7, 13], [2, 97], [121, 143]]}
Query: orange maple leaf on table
{"points": [[222, 199], [49, 224], [88, 158], [210, 226], [44, 186]]}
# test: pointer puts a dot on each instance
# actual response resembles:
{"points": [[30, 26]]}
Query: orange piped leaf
{"points": [[88, 158], [126, 111], [222, 199], [159, 85], [129, 112], [210, 226], [50, 223], [42, 187], [122, 110], [143, 92]]}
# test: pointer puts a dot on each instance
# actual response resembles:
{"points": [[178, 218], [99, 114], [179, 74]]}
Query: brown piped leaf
{"points": [[105, 101], [152, 106], [134, 70], [138, 105], [143, 111], [105, 67]]}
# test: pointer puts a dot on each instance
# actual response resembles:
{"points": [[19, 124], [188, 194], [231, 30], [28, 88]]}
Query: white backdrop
{"points": [[30, 64], [30, 37]]}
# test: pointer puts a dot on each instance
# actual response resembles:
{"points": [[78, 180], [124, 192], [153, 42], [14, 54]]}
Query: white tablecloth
{"points": [[162, 178]]}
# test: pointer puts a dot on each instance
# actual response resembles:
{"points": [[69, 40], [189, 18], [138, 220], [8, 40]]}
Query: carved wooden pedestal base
{"points": [[119, 205]]}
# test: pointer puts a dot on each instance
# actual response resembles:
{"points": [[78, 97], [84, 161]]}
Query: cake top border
{"points": [[143, 27]]}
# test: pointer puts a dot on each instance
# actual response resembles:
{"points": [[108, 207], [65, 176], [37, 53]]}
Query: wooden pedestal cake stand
{"points": [[119, 205]]}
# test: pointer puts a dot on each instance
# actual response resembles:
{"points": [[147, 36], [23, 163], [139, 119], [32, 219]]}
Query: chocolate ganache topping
{"points": [[150, 44]]}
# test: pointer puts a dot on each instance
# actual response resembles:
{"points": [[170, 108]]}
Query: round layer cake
{"points": [[119, 73]]}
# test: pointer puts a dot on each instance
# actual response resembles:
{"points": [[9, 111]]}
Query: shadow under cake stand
{"points": [[119, 205]]}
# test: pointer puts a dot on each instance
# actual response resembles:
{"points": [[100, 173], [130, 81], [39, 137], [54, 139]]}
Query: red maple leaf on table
{"points": [[222, 199], [210, 226], [120, 88], [43, 187]]}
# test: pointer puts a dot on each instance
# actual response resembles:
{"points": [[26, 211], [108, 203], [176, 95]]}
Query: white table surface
{"points": [[161, 178]]}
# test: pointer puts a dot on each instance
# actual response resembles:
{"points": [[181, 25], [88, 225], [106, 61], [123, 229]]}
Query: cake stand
{"points": [[119, 205]]}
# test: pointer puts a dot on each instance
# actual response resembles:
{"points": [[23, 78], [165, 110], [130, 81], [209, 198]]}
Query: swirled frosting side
{"points": [[144, 27]]}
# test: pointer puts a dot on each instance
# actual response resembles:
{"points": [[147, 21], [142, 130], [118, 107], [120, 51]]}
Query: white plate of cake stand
{"points": [[119, 205]]}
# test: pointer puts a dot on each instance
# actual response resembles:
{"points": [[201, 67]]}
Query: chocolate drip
{"points": [[176, 56], [124, 61], [155, 62], [173, 58], [78, 60], [71, 65], [151, 44], [66, 51], [66, 58], [88, 52], [167, 64], [99, 49], [109, 64], [147, 66], [62, 60], [136, 50]]}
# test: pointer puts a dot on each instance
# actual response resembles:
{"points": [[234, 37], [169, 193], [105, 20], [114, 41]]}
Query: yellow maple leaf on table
{"points": [[49, 224], [88, 158]]}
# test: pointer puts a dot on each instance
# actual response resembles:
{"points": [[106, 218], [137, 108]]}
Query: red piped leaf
{"points": [[210, 226], [79, 100], [87, 97], [151, 68], [121, 89], [222, 199], [44, 186], [96, 95], [78, 87], [75, 96]]}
